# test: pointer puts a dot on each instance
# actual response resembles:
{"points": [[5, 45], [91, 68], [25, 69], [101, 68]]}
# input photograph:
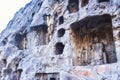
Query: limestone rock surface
{"points": [[62, 40]]}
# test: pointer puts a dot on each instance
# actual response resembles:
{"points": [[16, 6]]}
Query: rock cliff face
{"points": [[62, 40]]}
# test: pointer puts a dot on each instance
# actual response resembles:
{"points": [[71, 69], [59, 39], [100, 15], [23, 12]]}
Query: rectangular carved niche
{"points": [[47, 76], [73, 6], [21, 40], [19, 72], [93, 39], [41, 31], [84, 3], [103, 1]]}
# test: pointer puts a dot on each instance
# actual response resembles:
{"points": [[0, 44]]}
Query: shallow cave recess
{"points": [[21, 40], [41, 31], [33, 14], [4, 62], [61, 32], [73, 6], [84, 3], [4, 41], [61, 20], [103, 1], [52, 78], [59, 47], [119, 35], [93, 34], [47, 76], [39, 28]]}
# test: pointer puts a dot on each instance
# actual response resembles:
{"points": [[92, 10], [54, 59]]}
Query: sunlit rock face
{"points": [[62, 40]]}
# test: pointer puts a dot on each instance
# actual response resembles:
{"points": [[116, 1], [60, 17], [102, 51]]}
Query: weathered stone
{"points": [[46, 39]]}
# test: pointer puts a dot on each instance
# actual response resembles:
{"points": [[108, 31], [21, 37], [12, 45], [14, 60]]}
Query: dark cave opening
{"points": [[4, 41], [84, 3], [52, 78], [103, 1], [39, 28], [119, 35], [59, 47], [47, 76], [61, 20], [61, 32], [33, 14], [4, 62], [21, 40], [19, 72], [73, 6]]}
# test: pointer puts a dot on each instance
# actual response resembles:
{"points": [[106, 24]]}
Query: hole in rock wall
{"points": [[93, 40], [52, 78], [73, 6], [55, 15], [4, 62], [16, 65], [21, 40], [61, 20], [47, 76], [33, 14], [5, 41], [84, 3], [41, 31], [19, 72], [119, 35], [61, 32], [103, 1], [59, 47], [40, 28]]}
